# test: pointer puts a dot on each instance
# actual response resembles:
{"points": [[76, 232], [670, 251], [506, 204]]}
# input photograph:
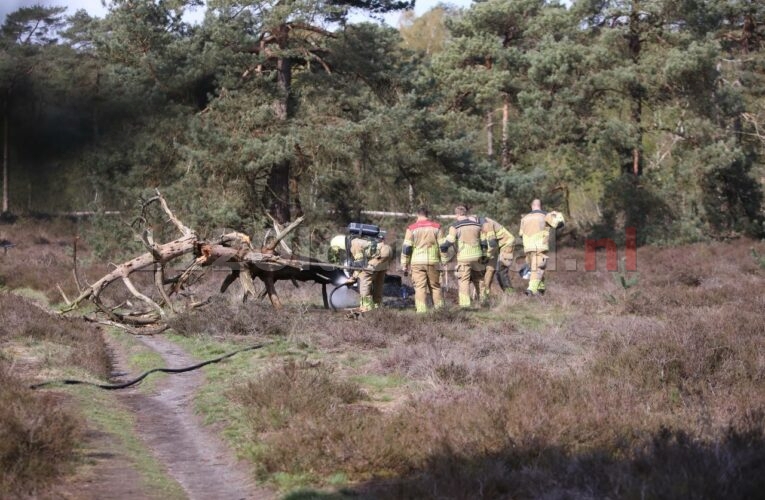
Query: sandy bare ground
{"points": [[192, 453]]}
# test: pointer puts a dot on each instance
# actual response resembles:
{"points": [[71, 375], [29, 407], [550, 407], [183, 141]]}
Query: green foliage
{"points": [[651, 119]]}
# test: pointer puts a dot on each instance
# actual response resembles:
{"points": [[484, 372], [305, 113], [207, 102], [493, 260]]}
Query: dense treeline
{"points": [[619, 112]]}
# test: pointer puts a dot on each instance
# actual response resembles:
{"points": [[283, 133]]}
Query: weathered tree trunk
{"points": [[636, 90], [279, 179], [279, 191], [490, 134], [231, 250], [505, 152], [5, 155]]}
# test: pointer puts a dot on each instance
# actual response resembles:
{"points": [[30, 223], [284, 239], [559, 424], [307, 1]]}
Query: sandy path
{"points": [[194, 456]]}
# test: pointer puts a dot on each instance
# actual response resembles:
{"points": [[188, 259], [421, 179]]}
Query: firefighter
{"points": [[465, 236], [499, 253], [377, 256], [370, 253], [535, 231], [420, 257]]}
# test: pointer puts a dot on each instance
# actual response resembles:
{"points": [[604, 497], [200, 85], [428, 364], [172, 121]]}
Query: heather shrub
{"points": [[287, 392], [21, 319], [596, 390], [37, 437], [225, 316]]}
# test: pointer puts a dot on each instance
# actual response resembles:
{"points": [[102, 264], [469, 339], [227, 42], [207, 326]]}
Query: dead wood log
{"points": [[232, 250]]}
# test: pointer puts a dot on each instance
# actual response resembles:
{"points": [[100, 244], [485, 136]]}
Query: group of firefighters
{"points": [[480, 245]]}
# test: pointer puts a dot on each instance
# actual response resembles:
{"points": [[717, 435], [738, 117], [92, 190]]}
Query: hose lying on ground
{"points": [[134, 381]]}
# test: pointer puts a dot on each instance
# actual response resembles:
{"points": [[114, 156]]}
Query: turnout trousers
{"points": [[426, 278], [469, 273], [537, 261]]}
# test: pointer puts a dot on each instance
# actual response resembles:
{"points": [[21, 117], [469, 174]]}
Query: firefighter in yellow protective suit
{"points": [[370, 253], [420, 257], [465, 236], [376, 256], [499, 252], [535, 231]]}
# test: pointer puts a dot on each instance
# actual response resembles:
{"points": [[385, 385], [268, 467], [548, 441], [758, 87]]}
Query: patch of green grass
{"points": [[104, 412], [35, 296], [379, 383], [288, 482], [525, 315], [213, 401], [338, 479], [140, 358]]}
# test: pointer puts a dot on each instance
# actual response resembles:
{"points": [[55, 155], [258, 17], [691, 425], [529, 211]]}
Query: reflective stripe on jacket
{"points": [[497, 237], [535, 232], [421, 244], [465, 235]]}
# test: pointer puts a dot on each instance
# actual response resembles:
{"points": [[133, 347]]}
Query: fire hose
{"points": [[134, 381]]}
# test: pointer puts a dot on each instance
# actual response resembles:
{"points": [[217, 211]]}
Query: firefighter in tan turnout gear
{"points": [[465, 236], [535, 231], [367, 250], [377, 255], [420, 257], [499, 253]]}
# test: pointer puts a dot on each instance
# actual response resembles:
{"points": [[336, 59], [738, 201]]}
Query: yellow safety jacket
{"points": [[465, 235], [421, 244], [379, 259], [371, 254], [535, 229], [496, 236]]}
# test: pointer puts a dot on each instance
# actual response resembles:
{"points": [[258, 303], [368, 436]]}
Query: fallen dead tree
{"points": [[148, 311]]}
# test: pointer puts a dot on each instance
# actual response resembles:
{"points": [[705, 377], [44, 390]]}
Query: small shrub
{"points": [[288, 392], [759, 259], [37, 437], [223, 317], [22, 319], [453, 373]]}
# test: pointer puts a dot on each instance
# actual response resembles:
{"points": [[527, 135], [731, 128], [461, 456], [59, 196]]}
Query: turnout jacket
{"points": [[372, 255], [496, 236], [535, 229], [465, 235], [421, 244]]}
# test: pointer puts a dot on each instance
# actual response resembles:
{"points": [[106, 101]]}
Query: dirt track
{"points": [[190, 453], [193, 455]]}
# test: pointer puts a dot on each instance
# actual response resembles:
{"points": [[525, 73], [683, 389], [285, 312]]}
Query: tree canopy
{"points": [[642, 113]]}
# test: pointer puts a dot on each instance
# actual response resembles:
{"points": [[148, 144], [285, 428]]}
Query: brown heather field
{"points": [[613, 385], [650, 387], [40, 431]]}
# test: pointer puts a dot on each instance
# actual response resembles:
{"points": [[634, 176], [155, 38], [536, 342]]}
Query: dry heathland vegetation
{"points": [[646, 384], [39, 431], [621, 385]]}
